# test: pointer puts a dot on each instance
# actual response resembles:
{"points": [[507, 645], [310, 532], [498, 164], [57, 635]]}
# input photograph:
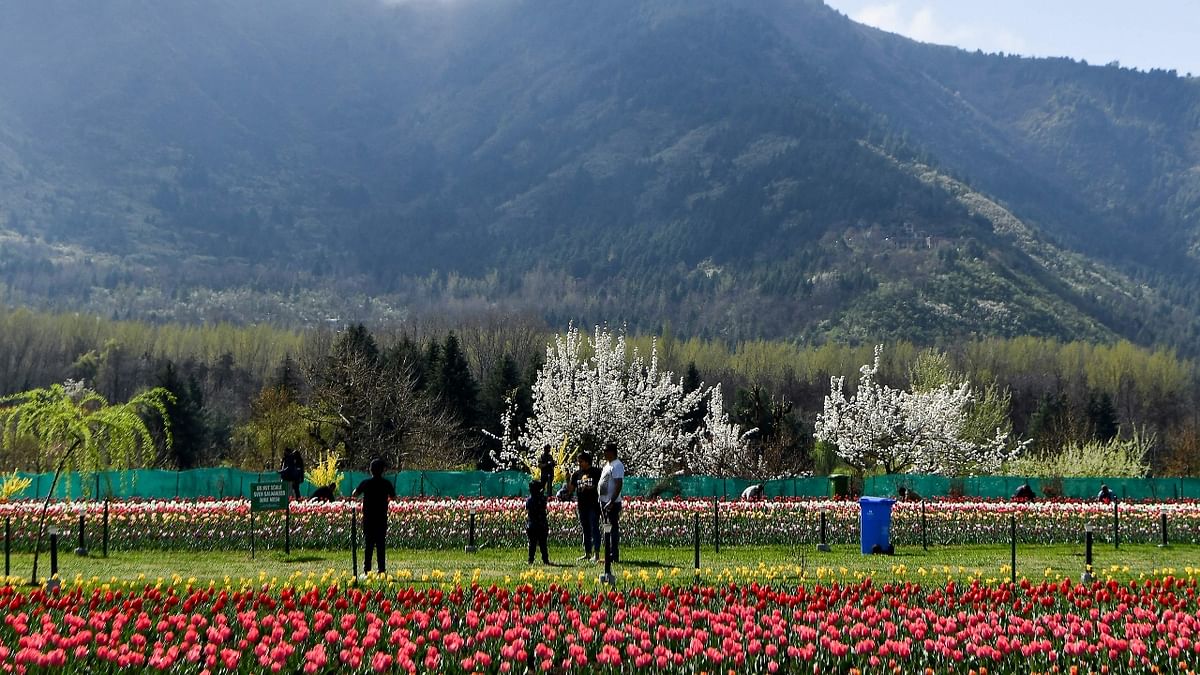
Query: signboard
{"points": [[268, 496]]}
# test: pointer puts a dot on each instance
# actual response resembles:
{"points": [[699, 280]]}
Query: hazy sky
{"points": [[1139, 33]]}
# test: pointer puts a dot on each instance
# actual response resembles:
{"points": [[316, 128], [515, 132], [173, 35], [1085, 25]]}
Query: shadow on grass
{"points": [[301, 558], [644, 564]]}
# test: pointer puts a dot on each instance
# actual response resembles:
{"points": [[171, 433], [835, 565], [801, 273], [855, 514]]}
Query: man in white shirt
{"points": [[612, 479]]}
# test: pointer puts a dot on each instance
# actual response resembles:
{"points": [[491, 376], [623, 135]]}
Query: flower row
{"points": [[445, 524], [316, 628]]}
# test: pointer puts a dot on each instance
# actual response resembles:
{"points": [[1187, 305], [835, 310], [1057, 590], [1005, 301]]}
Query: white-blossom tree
{"points": [[867, 428], [589, 388], [722, 448], [922, 432]]}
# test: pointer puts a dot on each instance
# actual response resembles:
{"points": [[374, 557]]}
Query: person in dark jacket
{"points": [[536, 524], [1106, 494], [293, 470], [584, 485], [1024, 493], [375, 491], [546, 466], [325, 493]]}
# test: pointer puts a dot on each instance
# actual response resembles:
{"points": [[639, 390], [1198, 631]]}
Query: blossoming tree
{"points": [[924, 431], [589, 388]]}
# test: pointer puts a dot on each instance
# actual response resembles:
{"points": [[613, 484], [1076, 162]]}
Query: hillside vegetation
{"points": [[741, 170]]}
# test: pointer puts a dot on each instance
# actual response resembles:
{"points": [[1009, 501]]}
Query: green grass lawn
{"points": [[640, 565]]}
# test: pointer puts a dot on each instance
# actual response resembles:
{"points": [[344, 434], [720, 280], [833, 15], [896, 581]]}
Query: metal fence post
{"points": [[82, 550], [1116, 526], [716, 525], [1012, 533], [104, 535], [823, 547], [1087, 555]]}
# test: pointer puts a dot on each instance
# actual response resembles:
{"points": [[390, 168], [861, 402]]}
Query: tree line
{"points": [[430, 393]]}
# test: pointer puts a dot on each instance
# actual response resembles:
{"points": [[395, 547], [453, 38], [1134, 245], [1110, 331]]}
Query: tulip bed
{"points": [[328, 627], [429, 524]]}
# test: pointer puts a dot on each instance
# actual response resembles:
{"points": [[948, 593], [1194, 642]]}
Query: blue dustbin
{"points": [[876, 524]]}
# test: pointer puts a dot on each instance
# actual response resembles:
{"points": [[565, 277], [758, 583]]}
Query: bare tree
{"points": [[375, 411]]}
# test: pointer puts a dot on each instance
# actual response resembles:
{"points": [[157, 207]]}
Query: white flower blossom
{"points": [[916, 432], [588, 387]]}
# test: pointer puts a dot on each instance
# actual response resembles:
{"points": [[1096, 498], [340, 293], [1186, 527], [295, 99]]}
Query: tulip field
{"points": [[438, 524], [759, 606], [331, 627]]}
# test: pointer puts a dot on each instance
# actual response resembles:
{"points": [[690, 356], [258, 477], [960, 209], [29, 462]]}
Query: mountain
{"points": [[737, 169]]}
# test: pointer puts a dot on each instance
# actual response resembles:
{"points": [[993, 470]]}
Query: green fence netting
{"points": [[1002, 487], [223, 482]]}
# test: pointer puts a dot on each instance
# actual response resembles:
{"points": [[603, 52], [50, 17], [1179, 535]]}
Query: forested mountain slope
{"points": [[738, 169]]}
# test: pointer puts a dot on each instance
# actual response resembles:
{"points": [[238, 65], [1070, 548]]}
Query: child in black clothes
{"points": [[536, 525]]}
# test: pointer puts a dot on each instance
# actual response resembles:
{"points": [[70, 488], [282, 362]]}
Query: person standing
{"points": [[546, 466], [293, 469], [612, 480], [375, 491], [584, 485], [537, 525]]}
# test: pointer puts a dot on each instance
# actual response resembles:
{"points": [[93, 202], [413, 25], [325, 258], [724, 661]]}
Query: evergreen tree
{"points": [[406, 354], [454, 386], [287, 377], [432, 363], [1049, 423], [186, 415], [752, 410], [1102, 416], [358, 340], [502, 382], [691, 378]]}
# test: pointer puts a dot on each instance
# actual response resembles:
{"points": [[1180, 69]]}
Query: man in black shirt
{"points": [[583, 485], [375, 492]]}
